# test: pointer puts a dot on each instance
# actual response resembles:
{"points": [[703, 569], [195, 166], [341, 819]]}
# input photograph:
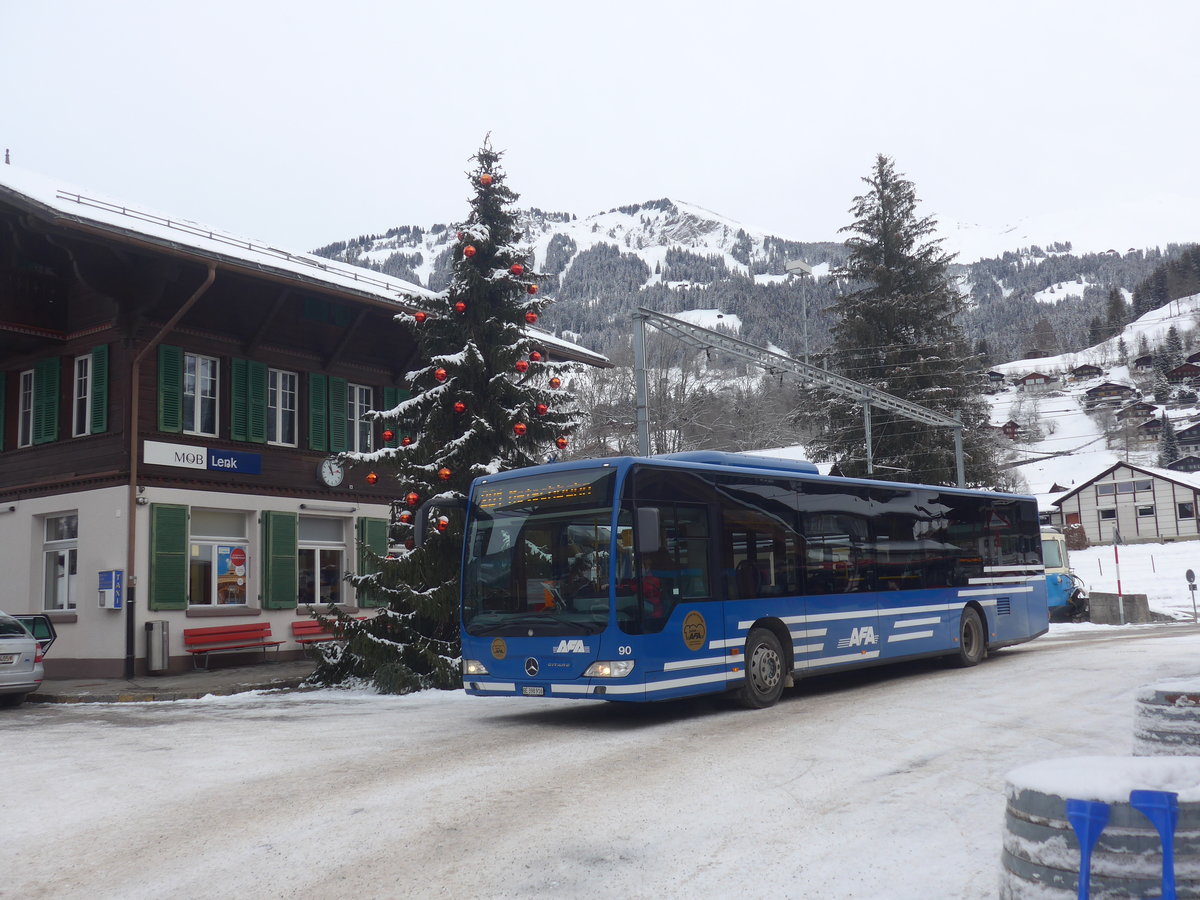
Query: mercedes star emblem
{"points": [[531, 667]]}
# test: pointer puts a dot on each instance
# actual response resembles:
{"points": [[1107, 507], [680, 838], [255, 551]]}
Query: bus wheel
{"points": [[764, 670], [972, 643]]}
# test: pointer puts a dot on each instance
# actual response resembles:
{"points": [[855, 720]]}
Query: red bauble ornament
{"points": [[409, 543], [372, 478], [520, 428], [541, 409], [485, 179], [461, 235], [405, 517], [405, 441], [469, 251], [555, 382], [531, 317], [444, 473], [517, 269], [412, 499], [388, 434], [533, 289], [420, 317], [442, 523], [440, 374], [522, 365], [535, 356], [460, 307], [460, 407], [560, 443]]}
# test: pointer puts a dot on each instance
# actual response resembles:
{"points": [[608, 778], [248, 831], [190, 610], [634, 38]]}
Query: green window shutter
{"points": [[318, 412], [2, 393], [45, 401], [337, 414], [170, 388], [372, 542], [168, 556], [280, 542], [256, 402], [99, 411], [239, 407]]}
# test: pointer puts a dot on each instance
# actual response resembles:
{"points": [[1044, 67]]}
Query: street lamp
{"points": [[796, 267]]}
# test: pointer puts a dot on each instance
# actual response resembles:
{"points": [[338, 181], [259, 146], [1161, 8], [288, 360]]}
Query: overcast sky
{"points": [[302, 122]]}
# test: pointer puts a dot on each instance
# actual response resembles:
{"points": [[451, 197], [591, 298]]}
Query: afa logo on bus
{"points": [[858, 637]]}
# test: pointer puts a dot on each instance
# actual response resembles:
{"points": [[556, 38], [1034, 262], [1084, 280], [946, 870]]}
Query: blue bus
{"points": [[639, 579]]}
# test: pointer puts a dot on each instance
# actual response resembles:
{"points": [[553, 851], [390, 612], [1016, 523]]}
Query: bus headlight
{"points": [[611, 669], [474, 667]]}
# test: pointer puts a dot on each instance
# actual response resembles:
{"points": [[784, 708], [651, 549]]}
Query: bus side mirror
{"points": [[648, 529], [421, 519]]}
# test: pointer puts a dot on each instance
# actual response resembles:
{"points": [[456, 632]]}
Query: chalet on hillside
{"points": [[1010, 429], [1087, 370], [172, 402], [1194, 358], [1184, 373], [1136, 412], [1187, 463], [1034, 382], [1148, 432], [1144, 363], [1109, 391], [1139, 502], [1189, 439]]}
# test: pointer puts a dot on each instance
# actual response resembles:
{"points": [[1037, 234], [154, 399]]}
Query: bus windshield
{"points": [[538, 555]]}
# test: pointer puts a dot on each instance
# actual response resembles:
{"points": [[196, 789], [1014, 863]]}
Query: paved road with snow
{"points": [[882, 784]]}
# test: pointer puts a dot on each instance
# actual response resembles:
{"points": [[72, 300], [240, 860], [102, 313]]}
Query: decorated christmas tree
{"points": [[484, 400]]}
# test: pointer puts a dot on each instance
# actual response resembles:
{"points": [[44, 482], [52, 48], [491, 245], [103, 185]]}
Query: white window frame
{"points": [[282, 390], [228, 588], [81, 402], [321, 553], [204, 392], [1180, 512], [59, 593], [1146, 511], [359, 400], [25, 409]]}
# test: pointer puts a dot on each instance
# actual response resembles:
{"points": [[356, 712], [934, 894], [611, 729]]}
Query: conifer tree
{"points": [[1168, 443], [482, 399], [896, 330]]}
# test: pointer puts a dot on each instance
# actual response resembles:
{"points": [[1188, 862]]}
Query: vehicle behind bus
{"points": [[656, 578], [1066, 596]]}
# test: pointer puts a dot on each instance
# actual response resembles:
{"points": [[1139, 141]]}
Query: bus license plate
{"points": [[533, 691]]}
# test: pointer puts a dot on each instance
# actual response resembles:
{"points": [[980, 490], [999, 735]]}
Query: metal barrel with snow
{"points": [[1167, 719], [1041, 855]]}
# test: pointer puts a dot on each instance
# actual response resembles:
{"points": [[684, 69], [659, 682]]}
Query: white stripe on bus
{"points": [[913, 623], [847, 657], [909, 636], [701, 662], [1003, 579], [1030, 568], [1027, 589]]}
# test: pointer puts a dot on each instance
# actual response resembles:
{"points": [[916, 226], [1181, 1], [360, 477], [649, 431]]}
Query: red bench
{"points": [[310, 631], [227, 639]]}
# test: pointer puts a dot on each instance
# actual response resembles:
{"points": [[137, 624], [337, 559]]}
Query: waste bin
{"points": [[158, 652]]}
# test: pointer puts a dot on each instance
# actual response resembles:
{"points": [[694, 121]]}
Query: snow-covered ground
{"points": [[886, 783]]}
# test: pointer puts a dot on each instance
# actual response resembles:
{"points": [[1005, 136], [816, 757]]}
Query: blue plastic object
{"points": [[1088, 818], [1162, 809]]}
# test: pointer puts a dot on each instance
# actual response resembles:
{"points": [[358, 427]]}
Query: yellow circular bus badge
{"points": [[499, 648], [694, 630]]}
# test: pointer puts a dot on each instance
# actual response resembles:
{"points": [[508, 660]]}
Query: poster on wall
{"points": [[231, 573]]}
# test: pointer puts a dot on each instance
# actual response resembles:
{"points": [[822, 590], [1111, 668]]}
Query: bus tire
{"points": [[765, 675], [972, 639]]}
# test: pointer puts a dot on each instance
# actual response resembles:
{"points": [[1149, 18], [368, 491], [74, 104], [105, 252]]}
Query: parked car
{"points": [[24, 641]]}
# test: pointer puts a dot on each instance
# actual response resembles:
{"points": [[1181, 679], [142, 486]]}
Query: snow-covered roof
{"points": [[71, 205], [1188, 480]]}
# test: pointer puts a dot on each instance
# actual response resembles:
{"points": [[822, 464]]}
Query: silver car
{"points": [[21, 655]]}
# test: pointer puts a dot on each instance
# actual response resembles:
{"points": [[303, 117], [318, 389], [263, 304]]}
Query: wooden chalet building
{"points": [[1141, 503], [1086, 371], [1034, 382], [1136, 412], [1188, 439], [1109, 391], [1187, 463], [1144, 363], [169, 399], [1184, 373]]}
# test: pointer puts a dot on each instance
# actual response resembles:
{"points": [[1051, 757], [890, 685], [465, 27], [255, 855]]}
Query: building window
{"points": [[82, 406], [61, 555], [1145, 511], [322, 559], [358, 427], [25, 410], [199, 395], [218, 558], [1107, 514], [281, 407], [1187, 510]]}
